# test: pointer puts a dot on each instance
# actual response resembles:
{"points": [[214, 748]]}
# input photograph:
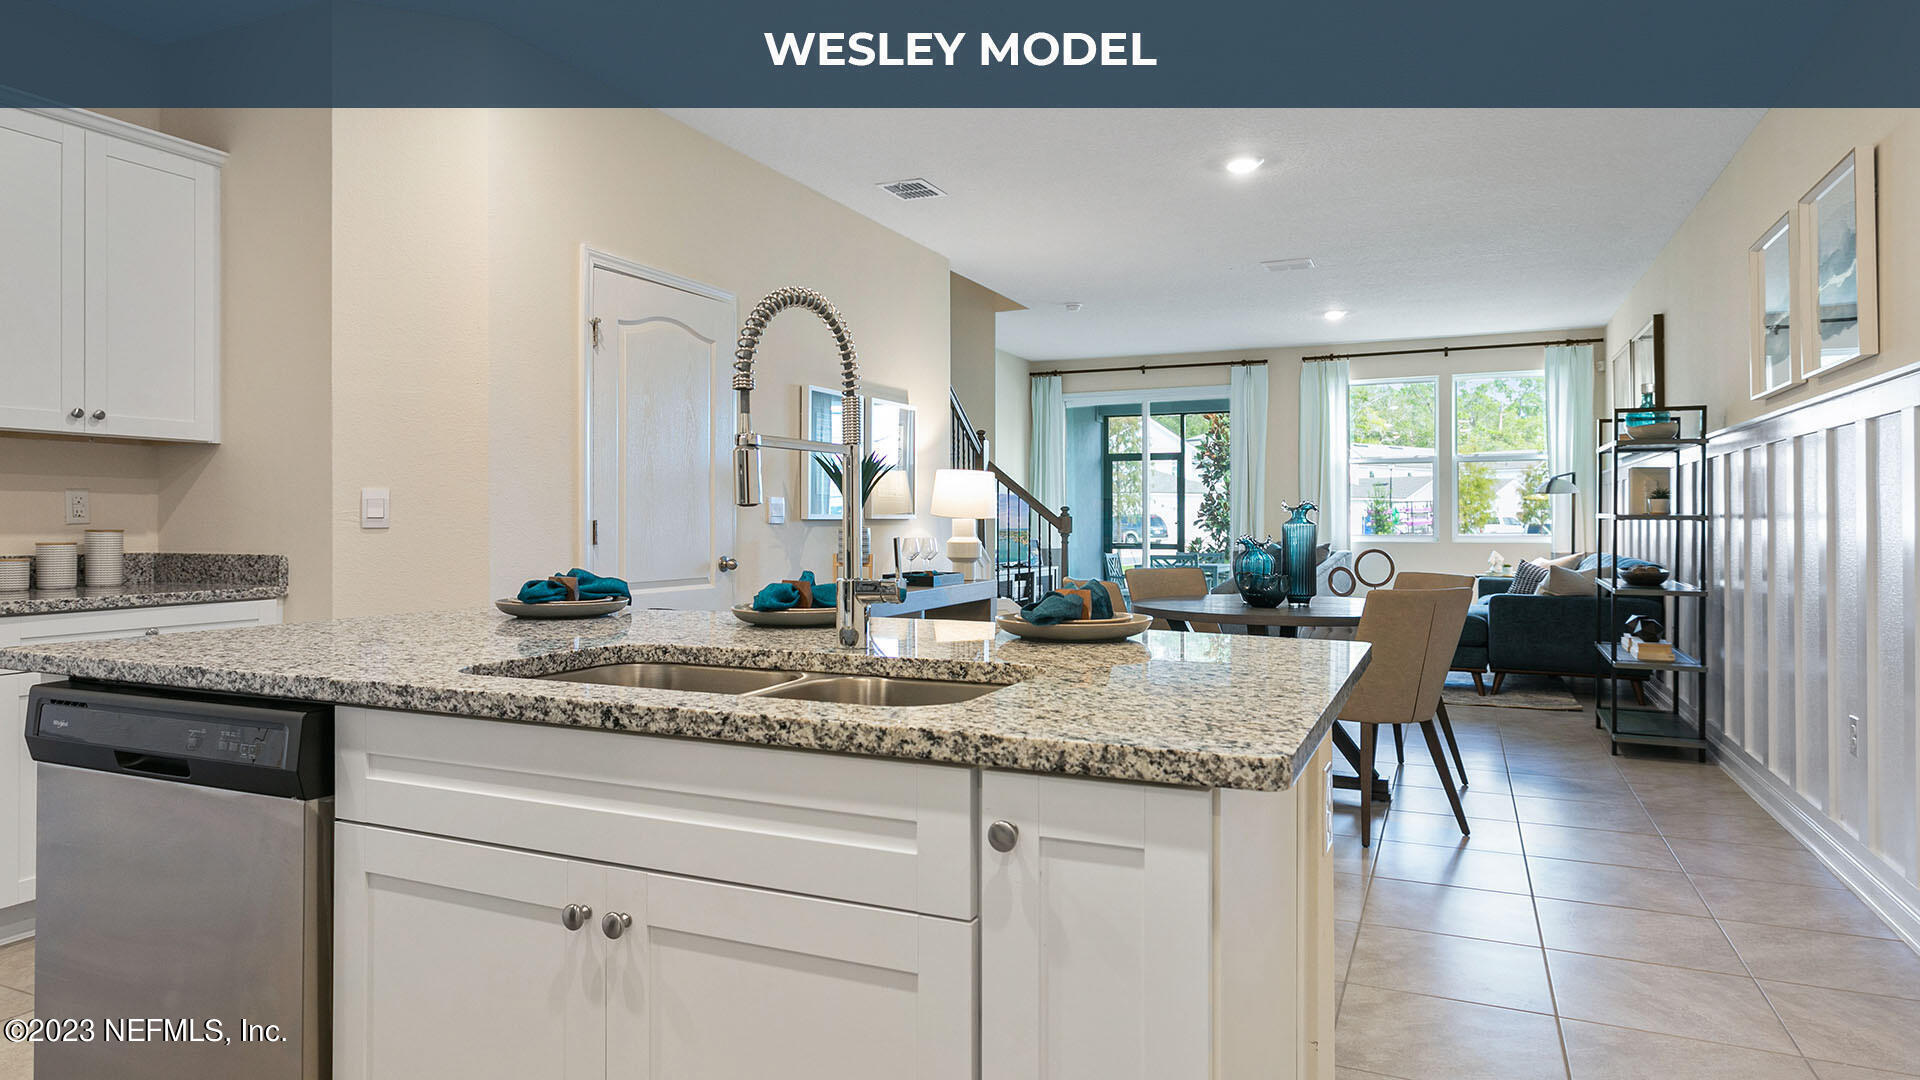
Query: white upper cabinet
{"points": [[109, 279]]}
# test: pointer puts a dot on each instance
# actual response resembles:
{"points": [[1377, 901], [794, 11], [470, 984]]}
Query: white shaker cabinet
{"points": [[17, 791], [109, 279]]}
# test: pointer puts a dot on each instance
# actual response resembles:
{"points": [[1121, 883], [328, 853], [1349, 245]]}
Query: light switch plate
{"points": [[776, 510], [77, 512], [376, 508]]}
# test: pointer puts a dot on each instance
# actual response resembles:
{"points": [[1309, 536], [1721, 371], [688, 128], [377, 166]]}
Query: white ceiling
{"points": [[1424, 223]]}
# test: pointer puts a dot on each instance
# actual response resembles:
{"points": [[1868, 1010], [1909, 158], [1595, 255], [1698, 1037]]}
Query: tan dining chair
{"points": [[1152, 583], [1419, 579], [1413, 633]]}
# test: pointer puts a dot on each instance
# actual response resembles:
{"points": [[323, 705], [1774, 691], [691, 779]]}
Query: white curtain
{"points": [[1047, 453], [1570, 433], [1247, 451], [1323, 446]]}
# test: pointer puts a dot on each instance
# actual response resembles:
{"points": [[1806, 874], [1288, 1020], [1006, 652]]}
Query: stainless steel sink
{"points": [[878, 690], [696, 678]]}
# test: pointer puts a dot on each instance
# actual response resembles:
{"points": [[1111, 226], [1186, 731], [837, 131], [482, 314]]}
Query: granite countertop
{"points": [[1200, 710], [162, 580]]}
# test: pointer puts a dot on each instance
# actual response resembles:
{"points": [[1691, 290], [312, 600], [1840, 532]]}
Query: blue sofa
{"points": [[1546, 635]]}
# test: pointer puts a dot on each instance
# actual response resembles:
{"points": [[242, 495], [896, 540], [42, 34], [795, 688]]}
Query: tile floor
{"points": [[16, 999], [1629, 918]]}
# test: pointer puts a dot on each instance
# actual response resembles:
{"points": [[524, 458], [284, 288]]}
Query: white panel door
{"points": [[153, 284], [660, 432], [450, 960], [17, 790], [1095, 930], [42, 273], [721, 982]]}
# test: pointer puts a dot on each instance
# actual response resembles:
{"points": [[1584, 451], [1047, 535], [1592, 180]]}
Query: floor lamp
{"points": [[1562, 484]]}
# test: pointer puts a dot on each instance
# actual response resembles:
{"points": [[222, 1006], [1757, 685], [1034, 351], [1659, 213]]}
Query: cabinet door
{"points": [[450, 959], [1095, 930], [16, 791], [719, 982], [153, 285], [42, 296]]}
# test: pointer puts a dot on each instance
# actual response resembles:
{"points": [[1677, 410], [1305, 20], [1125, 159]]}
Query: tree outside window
{"points": [[1500, 447], [1392, 450]]}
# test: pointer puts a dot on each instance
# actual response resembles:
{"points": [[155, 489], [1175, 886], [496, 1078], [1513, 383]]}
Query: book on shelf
{"points": [[1652, 652]]}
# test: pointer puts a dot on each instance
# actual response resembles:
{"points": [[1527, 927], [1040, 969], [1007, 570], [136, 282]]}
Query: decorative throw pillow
{"points": [[1564, 582], [1571, 562], [1528, 578]]}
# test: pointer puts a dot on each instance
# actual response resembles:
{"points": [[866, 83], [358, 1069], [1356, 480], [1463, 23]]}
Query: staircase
{"points": [[1027, 541]]}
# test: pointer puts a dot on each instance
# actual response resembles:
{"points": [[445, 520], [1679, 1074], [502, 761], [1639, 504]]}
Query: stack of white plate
{"points": [[106, 554], [16, 573], [56, 564]]}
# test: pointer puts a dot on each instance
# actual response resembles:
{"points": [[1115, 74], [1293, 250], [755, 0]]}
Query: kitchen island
{"points": [[1078, 860]]}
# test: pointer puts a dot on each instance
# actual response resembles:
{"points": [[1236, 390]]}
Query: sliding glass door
{"points": [[1164, 475]]}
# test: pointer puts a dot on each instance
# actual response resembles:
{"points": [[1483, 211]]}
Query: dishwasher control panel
{"points": [[242, 744]]}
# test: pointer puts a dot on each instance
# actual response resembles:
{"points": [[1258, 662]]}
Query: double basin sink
{"points": [[793, 685]]}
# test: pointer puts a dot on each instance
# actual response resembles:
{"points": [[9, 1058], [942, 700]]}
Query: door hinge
{"points": [[594, 325], [596, 532]]}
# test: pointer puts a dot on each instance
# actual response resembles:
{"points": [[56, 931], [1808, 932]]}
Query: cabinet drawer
{"points": [[132, 622], [889, 833]]}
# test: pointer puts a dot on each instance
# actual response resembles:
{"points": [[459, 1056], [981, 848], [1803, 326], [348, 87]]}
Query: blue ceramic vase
{"points": [[1301, 536], [1260, 572]]}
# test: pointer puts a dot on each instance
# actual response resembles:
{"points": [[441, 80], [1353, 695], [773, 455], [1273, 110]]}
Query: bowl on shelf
{"points": [[1644, 577], [1658, 431]]}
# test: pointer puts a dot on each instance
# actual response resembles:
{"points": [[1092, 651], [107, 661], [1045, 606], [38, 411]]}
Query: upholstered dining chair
{"points": [[1413, 632], [1151, 583], [1418, 579]]}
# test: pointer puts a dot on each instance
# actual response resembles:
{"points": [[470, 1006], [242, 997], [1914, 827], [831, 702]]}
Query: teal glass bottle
{"points": [[1300, 536], [1260, 572]]}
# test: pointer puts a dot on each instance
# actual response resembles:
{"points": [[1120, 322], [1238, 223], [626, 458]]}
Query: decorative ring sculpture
{"points": [[1357, 559], [1334, 575]]}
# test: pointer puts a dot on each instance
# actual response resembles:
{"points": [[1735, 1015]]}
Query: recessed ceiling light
{"points": [[1335, 314], [1071, 305], [1241, 166]]}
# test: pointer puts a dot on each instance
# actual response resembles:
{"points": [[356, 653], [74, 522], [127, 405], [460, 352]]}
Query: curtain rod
{"points": [[1144, 368], [1445, 349]]}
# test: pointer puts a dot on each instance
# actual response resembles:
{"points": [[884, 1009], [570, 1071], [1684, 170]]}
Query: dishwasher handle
{"points": [[172, 768]]}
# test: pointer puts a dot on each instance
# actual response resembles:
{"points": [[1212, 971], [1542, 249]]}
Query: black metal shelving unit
{"points": [[1648, 724]]}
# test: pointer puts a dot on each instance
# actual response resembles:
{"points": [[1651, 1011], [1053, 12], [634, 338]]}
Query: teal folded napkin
{"points": [[1058, 607], [592, 587], [781, 596]]}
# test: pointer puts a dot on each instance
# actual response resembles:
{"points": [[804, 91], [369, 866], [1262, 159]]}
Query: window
{"points": [[1392, 450], [1178, 503], [1500, 454]]}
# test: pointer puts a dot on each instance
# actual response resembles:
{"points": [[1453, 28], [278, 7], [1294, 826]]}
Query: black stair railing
{"points": [[1028, 543]]}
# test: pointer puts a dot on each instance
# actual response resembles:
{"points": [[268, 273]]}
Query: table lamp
{"points": [[966, 496]]}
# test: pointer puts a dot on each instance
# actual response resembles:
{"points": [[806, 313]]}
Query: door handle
{"points": [[728, 562], [615, 923], [575, 916]]}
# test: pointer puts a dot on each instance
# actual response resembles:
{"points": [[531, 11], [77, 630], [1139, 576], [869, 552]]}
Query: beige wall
{"points": [[1699, 280], [1013, 414], [973, 307], [1441, 554], [263, 489]]}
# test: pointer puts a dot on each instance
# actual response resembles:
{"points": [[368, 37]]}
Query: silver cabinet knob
{"points": [[728, 562], [77, 412], [1002, 835], [99, 414], [153, 631], [575, 916], [615, 923]]}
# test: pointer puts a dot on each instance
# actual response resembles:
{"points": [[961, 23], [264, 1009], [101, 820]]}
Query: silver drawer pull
{"points": [[615, 923], [1002, 835], [575, 916]]}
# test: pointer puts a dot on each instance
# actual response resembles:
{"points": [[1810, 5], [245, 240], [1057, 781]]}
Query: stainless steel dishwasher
{"points": [[184, 909]]}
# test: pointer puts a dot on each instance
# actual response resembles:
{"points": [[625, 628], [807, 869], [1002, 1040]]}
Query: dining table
{"points": [[1285, 620]]}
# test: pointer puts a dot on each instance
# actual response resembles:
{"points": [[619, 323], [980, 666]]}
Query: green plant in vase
{"points": [[872, 468], [1660, 500]]}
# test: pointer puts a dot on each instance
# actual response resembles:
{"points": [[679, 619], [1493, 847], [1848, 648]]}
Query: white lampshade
{"points": [[963, 493]]}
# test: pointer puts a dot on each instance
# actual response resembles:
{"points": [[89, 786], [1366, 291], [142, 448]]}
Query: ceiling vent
{"points": [[911, 190], [1277, 265]]}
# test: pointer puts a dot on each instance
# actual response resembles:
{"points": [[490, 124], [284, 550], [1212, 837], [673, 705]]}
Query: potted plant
{"points": [[1660, 500]]}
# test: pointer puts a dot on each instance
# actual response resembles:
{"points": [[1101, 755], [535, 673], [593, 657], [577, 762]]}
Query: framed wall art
{"points": [[1773, 345], [1839, 269]]}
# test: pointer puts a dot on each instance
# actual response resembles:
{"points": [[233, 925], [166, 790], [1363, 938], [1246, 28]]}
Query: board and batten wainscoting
{"points": [[1813, 628]]}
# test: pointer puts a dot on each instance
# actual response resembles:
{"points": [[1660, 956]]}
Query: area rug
{"points": [[1516, 692]]}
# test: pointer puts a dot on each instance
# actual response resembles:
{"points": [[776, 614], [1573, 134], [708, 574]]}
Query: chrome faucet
{"points": [[852, 595]]}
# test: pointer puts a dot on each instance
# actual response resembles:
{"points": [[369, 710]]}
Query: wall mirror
{"points": [[1772, 344], [820, 408], [1839, 273], [890, 434], [1640, 365]]}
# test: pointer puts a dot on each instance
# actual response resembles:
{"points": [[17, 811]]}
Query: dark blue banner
{"points": [[1115, 53]]}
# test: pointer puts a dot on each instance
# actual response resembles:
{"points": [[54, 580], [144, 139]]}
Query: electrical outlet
{"points": [[1853, 736], [77, 512]]}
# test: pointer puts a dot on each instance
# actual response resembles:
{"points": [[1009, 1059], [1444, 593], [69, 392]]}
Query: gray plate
{"points": [[822, 616], [561, 609], [1114, 629]]}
